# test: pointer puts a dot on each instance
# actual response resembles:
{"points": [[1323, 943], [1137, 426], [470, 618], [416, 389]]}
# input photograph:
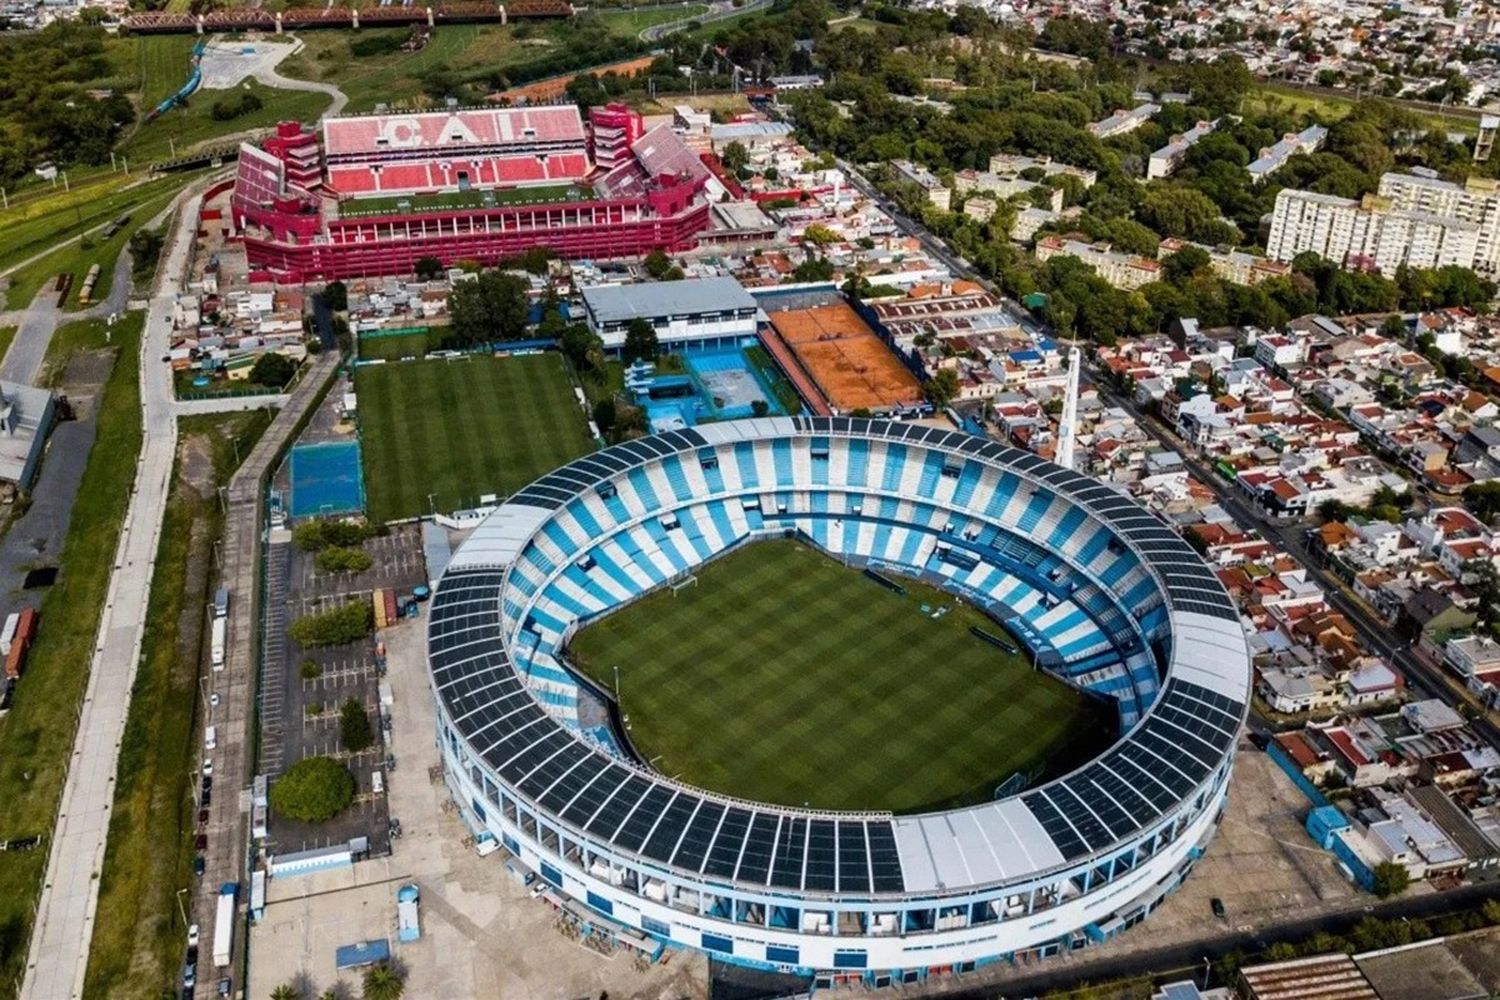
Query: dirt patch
{"points": [[195, 461], [84, 379]]}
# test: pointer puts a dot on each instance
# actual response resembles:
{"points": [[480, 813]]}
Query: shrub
{"points": [[355, 733], [313, 790], [313, 536], [337, 627], [337, 559], [311, 669], [312, 709], [1391, 879]]}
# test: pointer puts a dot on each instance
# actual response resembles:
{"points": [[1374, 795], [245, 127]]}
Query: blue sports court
{"points": [[327, 479]]}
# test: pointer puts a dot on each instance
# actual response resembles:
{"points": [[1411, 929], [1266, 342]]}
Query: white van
{"points": [[377, 782], [210, 738]]}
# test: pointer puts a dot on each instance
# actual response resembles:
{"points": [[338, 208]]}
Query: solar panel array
{"points": [[1188, 733]]}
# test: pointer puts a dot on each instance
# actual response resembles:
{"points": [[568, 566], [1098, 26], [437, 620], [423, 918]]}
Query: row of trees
{"points": [[337, 627]]}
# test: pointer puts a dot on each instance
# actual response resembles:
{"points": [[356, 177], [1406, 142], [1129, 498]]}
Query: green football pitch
{"points": [[457, 429], [784, 676]]}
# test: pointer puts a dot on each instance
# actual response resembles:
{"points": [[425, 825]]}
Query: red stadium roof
{"points": [[441, 131]]}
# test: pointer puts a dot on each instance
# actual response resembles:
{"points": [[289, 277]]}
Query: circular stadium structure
{"points": [[1103, 594]]}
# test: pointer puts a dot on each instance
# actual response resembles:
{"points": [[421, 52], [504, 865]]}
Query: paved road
{"points": [[57, 960], [719, 10]]}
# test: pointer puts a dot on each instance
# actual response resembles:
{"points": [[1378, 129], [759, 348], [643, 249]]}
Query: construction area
{"points": [[849, 366]]}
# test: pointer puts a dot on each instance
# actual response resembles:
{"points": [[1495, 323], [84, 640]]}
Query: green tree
{"points": [[941, 388], [355, 733], [759, 408], [429, 268], [273, 370], [1484, 499], [337, 627], [736, 158], [383, 983], [640, 341], [657, 263], [819, 235], [313, 790], [604, 416], [578, 343], [1390, 879], [492, 307], [339, 559], [336, 294], [286, 991]]}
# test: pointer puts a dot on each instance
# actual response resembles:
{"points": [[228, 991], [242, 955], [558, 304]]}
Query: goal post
{"points": [[691, 580]]}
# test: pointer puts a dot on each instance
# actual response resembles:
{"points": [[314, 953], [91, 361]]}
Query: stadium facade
{"points": [[373, 194], [1103, 594]]}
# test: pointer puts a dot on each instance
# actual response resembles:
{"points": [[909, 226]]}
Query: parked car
{"points": [[190, 975], [199, 866], [202, 816], [1218, 907], [208, 767], [225, 987], [192, 935], [200, 842]]}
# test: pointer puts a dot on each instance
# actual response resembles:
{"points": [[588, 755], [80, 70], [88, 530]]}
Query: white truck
{"points": [[224, 925], [219, 633]]}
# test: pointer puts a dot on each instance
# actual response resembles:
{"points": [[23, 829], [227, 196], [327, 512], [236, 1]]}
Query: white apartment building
{"points": [[1166, 160], [1370, 234], [1122, 270], [1477, 200], [1123, 121], [938, 193], [1273, 158]]}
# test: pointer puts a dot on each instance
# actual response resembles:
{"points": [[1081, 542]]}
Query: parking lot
{"points": [[304, 690], [482, 934]]}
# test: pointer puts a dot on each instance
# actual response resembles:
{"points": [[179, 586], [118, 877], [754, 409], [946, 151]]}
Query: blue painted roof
{"points": [[352, 956]]}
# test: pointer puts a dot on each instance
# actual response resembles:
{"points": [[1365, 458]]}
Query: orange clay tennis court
{"points": [[852, 367]]}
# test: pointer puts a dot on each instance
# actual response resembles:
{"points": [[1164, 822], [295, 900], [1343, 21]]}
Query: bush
{"points": [[355, 733], [338, 627], [223, 111], [312, 709], [273, 370], [313, 790], [1391, 879], [337, 559], [311, 669], [313, 536]]}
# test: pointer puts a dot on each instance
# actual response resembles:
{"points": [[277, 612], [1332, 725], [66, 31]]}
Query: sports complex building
{"points": [[373, 194], [1103, 595]]}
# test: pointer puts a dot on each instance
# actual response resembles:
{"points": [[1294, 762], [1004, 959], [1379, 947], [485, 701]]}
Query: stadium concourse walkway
{"points": [[806, 387]]}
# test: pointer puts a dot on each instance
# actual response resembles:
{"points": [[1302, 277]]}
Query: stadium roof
{"points": [[437, 131], [1175, 750], [622, 303]]}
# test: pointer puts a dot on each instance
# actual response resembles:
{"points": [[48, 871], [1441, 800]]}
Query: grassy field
{"points": [[783, 676], [7, 334], [183, 128], [459, 429], [1281, 97], [36, 738], [482, 53], [24, 237], [406, 345], [76, 258], [138, 936]]}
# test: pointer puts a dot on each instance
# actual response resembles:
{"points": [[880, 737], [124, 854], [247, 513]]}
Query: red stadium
{"points": [[380, 192]]}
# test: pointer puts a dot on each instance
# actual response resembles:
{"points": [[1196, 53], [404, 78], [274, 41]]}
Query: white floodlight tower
{"points": [[1067, 424]]}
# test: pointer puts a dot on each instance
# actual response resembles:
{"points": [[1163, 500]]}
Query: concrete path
{"points": [[269, 76], [58, 956]]}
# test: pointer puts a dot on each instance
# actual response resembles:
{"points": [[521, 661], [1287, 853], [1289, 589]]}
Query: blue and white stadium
{"points": [[1103, 594]]}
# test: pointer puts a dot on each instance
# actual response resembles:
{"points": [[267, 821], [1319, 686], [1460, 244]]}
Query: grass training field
{"points": [[783, 676], [458, 429]]}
